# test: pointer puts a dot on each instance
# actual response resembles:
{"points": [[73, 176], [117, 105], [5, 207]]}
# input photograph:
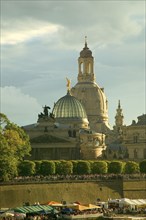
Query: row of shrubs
{"points": [[79, 167]]}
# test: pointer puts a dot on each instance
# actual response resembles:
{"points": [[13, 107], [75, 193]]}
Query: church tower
{"points": [[90, 94], [119, 119], [86, 65]]}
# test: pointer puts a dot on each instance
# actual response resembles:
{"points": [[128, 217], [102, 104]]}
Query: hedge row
{"points": [[79, 167]]}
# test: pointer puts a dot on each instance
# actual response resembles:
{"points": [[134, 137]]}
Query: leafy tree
{"points": [[115, 167], [26, 168], [142, 166], [8, 169], [99, 167], [66, 167], [131, 167], [47, 168], [14, 146], [83, 167], [17, 140]]}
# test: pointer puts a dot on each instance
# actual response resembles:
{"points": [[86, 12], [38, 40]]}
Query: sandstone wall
{"points": [[85, 192]]}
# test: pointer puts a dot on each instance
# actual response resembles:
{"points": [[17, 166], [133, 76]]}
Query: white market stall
{"points": [[131, 203]]}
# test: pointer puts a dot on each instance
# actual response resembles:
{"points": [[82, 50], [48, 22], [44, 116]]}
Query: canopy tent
{"points": [[126, 201], [81, 207], [143, 202], [129, 202], [7, 214], [135, 202], [140, 202], [54, 203], [34, 209], [92, 206]]}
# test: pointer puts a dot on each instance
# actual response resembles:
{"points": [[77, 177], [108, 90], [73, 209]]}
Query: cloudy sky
{"points": [[41, 42]]}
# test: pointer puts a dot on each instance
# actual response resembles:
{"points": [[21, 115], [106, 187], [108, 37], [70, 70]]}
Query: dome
{"points": [[69, 107], [86, 52], [95, 102]]}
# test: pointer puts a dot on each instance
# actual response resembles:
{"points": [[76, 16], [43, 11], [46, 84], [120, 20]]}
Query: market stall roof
{"points": [[54, 203], [127, 201], [81, 207], [7, 214], [132, 202], [92, 206], [34, 209]]}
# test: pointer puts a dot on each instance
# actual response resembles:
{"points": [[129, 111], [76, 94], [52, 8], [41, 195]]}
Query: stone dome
{"points": [[86, 52], [95, 102], [69, 107]]}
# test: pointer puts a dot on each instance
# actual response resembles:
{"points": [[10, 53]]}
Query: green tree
{"points": [[14, 146], [26, 168], [99, 167], [115, 167], [131, 167], [47, 168], [83, 167], [8, 168], [142, 166], [17, 140]]}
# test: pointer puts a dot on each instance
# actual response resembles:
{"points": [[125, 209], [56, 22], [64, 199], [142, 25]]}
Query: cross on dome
{"points": [[85, 41]]}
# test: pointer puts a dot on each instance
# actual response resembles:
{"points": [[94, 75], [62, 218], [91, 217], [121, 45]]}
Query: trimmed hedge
{"points": [[47, 168], [131, 167], [83, 167], [26, 168], [142, 166], [79, 167], [99, 167], [115, 167]]}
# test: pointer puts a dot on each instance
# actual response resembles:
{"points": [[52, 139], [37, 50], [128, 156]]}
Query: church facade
{"points": [[78, 127]]}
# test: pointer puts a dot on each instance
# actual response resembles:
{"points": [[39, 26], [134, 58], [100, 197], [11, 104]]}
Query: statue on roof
{"points": [[46, 112], [68, 84]]}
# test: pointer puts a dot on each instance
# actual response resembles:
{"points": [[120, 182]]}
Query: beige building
{"points": [[78, 127], [135, 138], [126, 142]]}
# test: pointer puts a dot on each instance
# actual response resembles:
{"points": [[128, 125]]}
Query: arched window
{"points": [[89, 68], [81, 67], [135, 139]]}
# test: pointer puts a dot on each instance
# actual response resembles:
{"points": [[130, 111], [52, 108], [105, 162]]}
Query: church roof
{"points": [[86, 52], [69, 107], [141, 120]]}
